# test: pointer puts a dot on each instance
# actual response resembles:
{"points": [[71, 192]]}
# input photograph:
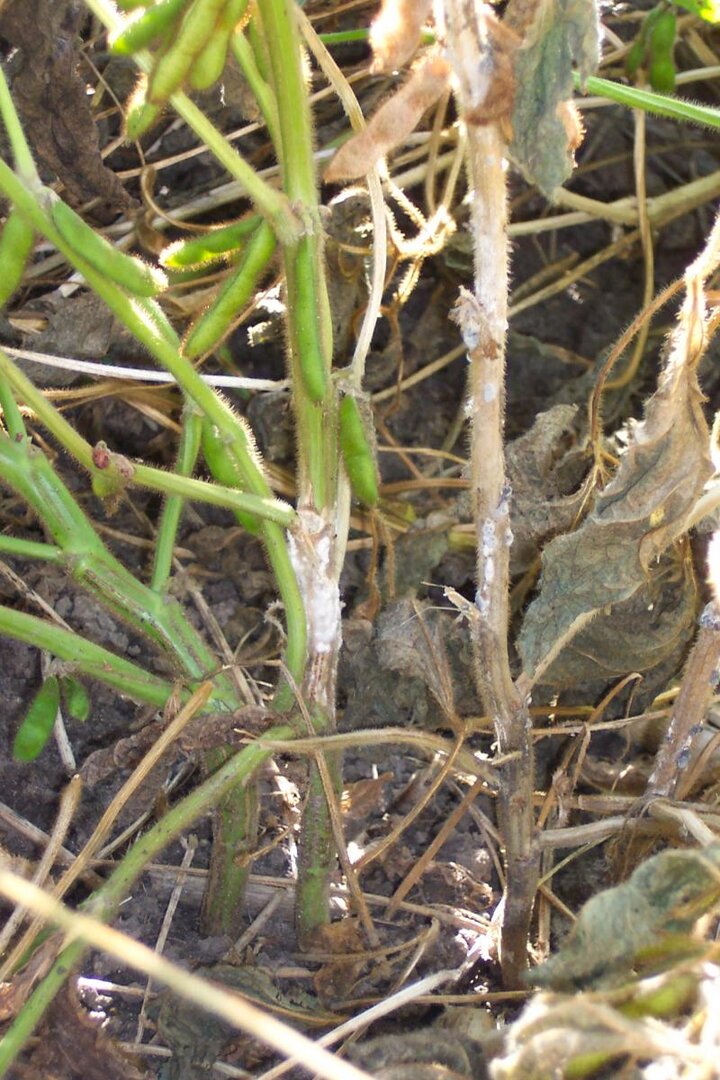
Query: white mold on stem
{"points": [[310, 546]]}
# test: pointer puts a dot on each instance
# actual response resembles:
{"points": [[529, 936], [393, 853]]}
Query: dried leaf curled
{"points": [[394, 121], [395, 33]]}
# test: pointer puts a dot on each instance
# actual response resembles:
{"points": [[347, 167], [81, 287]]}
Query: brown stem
{"points": [[482, 317], [699, 681]]}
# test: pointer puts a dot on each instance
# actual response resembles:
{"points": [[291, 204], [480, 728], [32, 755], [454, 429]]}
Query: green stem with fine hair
{"points": [[88, 561], [104, 903], [315, 401], [142, 475], [87, 657], [308, 309], [187, 454], [146, 321]]}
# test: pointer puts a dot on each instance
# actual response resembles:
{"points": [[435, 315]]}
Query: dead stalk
{"points": [[482, 317], [690, 706]]}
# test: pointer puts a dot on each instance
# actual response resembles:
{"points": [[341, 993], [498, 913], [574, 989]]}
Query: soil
{"points": [[554, 352]]}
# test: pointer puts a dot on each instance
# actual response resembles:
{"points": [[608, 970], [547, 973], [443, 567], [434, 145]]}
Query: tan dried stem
{"points": [[473, 46]]}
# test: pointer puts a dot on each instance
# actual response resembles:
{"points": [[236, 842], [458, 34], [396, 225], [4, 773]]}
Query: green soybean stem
{"points": [[24, 162], [105, 902], [12, 417], [310, 356], [308, 312], [247, 62], [28, 472], [172, 510], [87, 657], [143, 475]]}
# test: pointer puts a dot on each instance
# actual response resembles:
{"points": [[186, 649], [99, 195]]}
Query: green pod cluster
{"points": [[135, 276], [356, 446], [173, 65], [213, 323], [210, 61], [37, 724], [16, 244], [214, 246], [221, 464], [152, 23], [653, 49]]}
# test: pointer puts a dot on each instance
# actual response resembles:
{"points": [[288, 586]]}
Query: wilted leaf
{"points": [[540, 508], [665, 895], [608, 559], [652, 627], [563, 36]]}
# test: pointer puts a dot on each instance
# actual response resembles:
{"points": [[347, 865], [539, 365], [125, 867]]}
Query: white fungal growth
{"points": [[490, 391], [489, 539], [310, 553]]}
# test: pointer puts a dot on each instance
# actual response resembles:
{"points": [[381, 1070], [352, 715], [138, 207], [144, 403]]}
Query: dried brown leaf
{"points": [[645, 508], [395, 32], [394, 121]]}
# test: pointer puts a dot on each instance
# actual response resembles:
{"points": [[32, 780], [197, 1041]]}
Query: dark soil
{"points": [[555, 348]]}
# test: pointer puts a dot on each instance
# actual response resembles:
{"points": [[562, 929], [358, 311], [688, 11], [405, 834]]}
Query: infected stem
{"points": [[482, 317]]}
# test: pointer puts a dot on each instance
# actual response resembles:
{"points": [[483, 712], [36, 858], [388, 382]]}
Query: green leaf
{"points": [[76, 698], [709, 10], [36, 728]]}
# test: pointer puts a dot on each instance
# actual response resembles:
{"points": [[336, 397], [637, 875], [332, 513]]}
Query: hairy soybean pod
{"points": [[357, 452], [221, 464], [140, 115], [144, 28], [307, 323], [662, 74], [662, 34], [75, 697], [195, 30], [16, 244], [212, 247], [215, 321], [209, 64], [36, 727], [132, 274]]}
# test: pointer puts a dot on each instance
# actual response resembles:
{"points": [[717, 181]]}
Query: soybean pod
{"points": [[140, 114], [16, 244], [357, 450], [75, 698], [310, 352], [37, 724], [215, 321], [195, 31], [221, 464], [211, 247], [661, 72], [134, 275], [144, 28], [209, 64]]}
